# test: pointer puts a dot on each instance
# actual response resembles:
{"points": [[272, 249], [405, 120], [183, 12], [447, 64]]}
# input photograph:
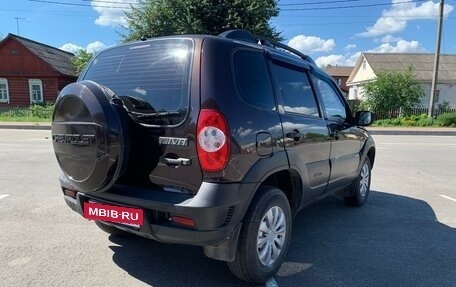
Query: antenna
{"points": [[17, 24]]}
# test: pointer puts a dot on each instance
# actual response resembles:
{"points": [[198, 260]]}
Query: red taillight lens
{"points": [[212, 141]]}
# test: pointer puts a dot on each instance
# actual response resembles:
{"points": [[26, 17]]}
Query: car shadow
{"points": [[391, 241]]}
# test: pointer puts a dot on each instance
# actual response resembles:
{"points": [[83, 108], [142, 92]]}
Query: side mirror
{"points": [[364, 118]]}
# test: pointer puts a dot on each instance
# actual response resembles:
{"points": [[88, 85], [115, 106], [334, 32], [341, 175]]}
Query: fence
{"points": [[391, 114], [34, 111]]}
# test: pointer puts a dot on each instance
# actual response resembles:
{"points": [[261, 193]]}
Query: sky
{"points": [[332, 32]]}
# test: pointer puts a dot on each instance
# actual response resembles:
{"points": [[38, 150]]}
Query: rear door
{"points": [[345, 139], [305, 131], [157, 83]]}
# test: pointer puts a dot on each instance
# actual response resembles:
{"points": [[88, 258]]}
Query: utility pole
{"points": [[436, 61], [17, 24]]}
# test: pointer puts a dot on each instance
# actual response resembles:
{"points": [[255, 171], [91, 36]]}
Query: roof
{"points": [[423, 64], [339, 71], [58, 59]]}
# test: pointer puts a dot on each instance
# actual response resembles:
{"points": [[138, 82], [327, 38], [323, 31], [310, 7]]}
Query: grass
{"points": [[443, 120], [34, 113]]}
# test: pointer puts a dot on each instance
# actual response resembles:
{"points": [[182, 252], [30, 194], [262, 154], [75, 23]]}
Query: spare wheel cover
{"points": [[87, 136]]}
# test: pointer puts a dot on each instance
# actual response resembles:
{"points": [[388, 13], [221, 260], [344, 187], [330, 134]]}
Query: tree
{"points": [[393, 90], [153, 18], [81, 59]]}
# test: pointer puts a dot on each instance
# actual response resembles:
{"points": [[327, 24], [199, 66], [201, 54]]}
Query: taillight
{"points": [[213, 141]]}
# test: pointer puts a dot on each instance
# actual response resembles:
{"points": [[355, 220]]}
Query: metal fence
{"points": [[391, 114]]}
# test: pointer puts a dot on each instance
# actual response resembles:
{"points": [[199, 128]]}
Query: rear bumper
{"points": [[217, 211]]}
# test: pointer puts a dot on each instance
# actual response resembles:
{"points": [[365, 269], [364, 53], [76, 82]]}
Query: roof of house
{"points": [[58, 59], [339, 71], [423, 64]]}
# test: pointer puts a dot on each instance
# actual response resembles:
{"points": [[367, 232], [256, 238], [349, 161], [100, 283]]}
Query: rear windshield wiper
{"points": [[152, 115]]}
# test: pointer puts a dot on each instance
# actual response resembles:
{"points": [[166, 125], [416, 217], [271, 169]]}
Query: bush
{"points": [[447, 120], [42, 111]]}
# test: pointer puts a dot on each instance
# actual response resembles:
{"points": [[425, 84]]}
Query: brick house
{"points": [[340, 74], [32, 72]]}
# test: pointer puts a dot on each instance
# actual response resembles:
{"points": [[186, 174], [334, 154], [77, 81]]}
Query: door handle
{"points": [[295, 135], [176, 161]]}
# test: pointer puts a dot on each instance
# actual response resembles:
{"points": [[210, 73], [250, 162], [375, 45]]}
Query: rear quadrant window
{"points": [[253, 81]]}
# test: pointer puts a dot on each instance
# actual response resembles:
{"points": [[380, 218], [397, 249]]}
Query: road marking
{"points": [[447, 197], [2, 196], [271, 283]]}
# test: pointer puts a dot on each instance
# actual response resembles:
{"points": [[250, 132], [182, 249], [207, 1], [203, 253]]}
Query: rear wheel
{"points": [[361, 186], [112, 230], [264, 238]]}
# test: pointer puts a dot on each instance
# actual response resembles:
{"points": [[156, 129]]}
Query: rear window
{"points": [[151, 78]]}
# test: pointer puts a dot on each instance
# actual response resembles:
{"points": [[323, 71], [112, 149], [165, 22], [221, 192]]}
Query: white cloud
{"points": [[351, 61], [401, 46], [338, 60], [390, 39], [350, 47], [112, 14], [70, 47], [395, 19], [93, 47], [333, 60], [309, 44]]}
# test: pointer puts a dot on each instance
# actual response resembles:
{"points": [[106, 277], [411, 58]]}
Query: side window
{"points": [[253, 80], [296, 91], [335, 109]]}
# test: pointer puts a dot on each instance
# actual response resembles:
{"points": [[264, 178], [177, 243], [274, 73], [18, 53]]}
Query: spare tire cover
{"points": [[87, 136]]}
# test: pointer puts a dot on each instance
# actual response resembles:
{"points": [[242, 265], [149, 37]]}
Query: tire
{"points": [[248, 265], [112, 230], [361, 186]]}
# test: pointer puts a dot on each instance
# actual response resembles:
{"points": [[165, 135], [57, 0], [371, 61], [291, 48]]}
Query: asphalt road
{"points": [[404, 236]]}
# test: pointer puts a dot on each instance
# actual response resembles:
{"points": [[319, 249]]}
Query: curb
{"points": [[17, 126]]}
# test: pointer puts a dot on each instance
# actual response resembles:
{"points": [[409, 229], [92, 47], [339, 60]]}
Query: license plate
{"points": [[113, 213]]}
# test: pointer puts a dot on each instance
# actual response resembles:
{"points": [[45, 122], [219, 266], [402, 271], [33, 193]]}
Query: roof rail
{"points": [[244, 35]]}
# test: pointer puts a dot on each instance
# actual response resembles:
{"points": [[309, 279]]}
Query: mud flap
{"points": [[227, 250]]}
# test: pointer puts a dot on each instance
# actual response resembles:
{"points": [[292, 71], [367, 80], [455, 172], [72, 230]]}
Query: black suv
{"points": [[215, 141]]}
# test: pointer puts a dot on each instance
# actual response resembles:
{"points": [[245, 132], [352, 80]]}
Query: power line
{"points": [[311, 3], [351, 6], [283, 9], [79, 4]]}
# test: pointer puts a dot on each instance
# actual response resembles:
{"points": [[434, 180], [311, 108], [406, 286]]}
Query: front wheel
{"points": [[265, 236], [361, 186]]}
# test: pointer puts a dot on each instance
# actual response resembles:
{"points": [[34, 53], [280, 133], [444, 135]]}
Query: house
{"points": [[370, 64], [32, 72], [340, 74]]}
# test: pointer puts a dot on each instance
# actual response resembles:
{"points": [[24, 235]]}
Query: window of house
{"points": [[339, 82], [4, 98], [36, 91], [295, 91], [364, 65]]}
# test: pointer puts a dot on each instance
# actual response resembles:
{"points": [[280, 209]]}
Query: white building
{"points": [[369, 64]]}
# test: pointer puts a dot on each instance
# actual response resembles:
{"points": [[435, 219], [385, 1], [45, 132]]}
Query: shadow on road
{"points": [[391, 241]]}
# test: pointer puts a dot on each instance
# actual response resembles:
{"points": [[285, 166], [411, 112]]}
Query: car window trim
{"points": [[304, 68], [317, 75]]}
